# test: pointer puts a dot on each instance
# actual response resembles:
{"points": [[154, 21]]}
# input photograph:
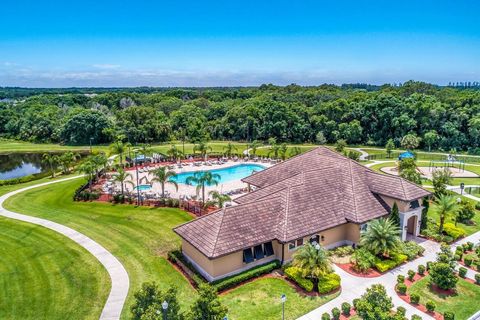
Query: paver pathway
{"points": [[118, 275]]}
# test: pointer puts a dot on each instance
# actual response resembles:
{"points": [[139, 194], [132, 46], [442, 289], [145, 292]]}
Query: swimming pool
{"points": [[144, 187], [226, 174]]}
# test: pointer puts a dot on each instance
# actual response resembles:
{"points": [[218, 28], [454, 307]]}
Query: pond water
{"points": [[16, 165]]}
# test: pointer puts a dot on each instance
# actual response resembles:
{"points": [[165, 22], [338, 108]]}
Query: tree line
{"points": [[443, 118]]}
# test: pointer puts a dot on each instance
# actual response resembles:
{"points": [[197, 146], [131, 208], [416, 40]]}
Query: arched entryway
{"points": [[412, 226]]}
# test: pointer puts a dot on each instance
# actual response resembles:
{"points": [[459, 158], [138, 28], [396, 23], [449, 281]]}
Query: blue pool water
{"points": [[144, 187], [226, 174]]}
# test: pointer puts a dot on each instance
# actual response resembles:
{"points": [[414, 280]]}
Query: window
{"points": [[247, 255], [364, 227], [314, 239], [268, 249], [291, 246], [414, 204], [300, 242], [258, 252]]}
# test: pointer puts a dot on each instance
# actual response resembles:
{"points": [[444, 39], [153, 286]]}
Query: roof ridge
{"points": [[353, 191], [286, 214], [218, 231], [403, 188]]}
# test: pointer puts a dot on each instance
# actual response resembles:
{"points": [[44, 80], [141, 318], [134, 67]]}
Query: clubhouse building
{"points": [[319, 196]]}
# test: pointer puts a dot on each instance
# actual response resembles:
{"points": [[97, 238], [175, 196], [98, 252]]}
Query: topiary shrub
{"points": [[400, 278], [355, 302], [431, 305], [451, 230], [415, 298], [336, 313], [401, 288], [457, 257], [470, 245], [346, 307], [401, 311], [328, 283], [411, 275], [448, 315], [295, 274], [468, 260], [477, 278], [465, 247], [478, 266], [429, 265], [326, 316], [416, 317], [443, 276], [462, 272], [421, 270]]}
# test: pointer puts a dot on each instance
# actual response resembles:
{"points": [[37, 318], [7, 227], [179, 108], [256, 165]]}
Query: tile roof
{"points": [[314, 191]]}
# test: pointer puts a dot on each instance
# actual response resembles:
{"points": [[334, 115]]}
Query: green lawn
{"points": [[140, 239], [44, 275], [8, 146], [464, 304], [260, 299]]}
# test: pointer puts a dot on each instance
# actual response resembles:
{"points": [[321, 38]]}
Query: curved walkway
{"points": [[118, 275]]}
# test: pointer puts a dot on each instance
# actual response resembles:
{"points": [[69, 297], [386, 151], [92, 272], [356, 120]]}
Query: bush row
{"points": [[32, 177], [295, 274]]}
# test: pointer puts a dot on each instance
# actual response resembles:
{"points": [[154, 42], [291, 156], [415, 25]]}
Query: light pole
{"points": [[136, 170], [91, 139], [164, 307], [283, 298]]}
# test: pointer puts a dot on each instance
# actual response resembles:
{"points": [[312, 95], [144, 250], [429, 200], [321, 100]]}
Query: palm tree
{"points": [[229, 148], [163, 176], [88, 168], [274, 147], [174, 153], [295, 151], [254, 146], [314, 262], [202, 148], [52, 161], [444, 207], [381, 237], [67, 160], [146, 149], [202, 179], [118, 147], [100, 162], [283, 150], [218, 198], [122, 176]]}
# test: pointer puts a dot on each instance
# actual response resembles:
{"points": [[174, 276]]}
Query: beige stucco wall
{"points": [[233, 263], [403, 206]]}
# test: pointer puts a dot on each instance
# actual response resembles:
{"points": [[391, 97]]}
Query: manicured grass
{"points": [[140, 239], [260, 299], [7, 188], [44, 275], [463, 304], [8, 146]]}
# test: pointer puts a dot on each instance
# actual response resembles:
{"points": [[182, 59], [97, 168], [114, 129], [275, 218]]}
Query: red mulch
{"points": [[348, 267], [417, 277], [448, 292], [352, 313]]}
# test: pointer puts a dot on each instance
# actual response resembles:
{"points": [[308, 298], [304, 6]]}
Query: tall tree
{"points": [[202, 148], [207, 305], [122, 177], [52, 160], [389, 147], [445, 206], [313, 261], [164, 176], [202, 179], [229, 148], [120, 148], [441, 178], [218, 198], [395, 215]]}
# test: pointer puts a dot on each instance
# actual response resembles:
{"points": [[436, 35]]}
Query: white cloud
{"points": [[106, 66]]}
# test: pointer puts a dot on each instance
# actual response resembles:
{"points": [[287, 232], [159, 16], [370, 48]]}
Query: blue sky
{"points": [[231, 43]]}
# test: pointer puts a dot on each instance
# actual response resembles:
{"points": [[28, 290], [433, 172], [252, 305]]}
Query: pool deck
{"points": [[190, 191]]}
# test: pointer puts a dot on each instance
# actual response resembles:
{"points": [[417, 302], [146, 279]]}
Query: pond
{"points": [[17, 165]]}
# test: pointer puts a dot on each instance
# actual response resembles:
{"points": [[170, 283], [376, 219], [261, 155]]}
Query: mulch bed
{"points": [[348, 267]]}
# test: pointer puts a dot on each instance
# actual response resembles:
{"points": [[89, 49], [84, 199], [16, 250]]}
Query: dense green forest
{"points": [[442, 118]]}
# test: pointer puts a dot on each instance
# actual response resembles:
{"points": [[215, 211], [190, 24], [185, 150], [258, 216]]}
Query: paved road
{"points": [[118, 275]]}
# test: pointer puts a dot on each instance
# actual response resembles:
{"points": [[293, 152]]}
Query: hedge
{"points": [[452, 231], [388, 264], [234, 280], [328, 283], [32, 177], [176, 256], [294, 274]]}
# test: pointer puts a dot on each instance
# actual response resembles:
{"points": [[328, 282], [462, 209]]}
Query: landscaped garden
{"points": [[140, 238]]}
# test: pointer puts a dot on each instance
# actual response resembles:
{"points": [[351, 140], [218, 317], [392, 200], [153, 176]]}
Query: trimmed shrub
{"points": [[362, 260], [384, 265], [399, 258], [355, 302], [431, 305], [336, 313], [462, 272], [411, 274], [470, 245], [421, 269], [477, 278], [328, 283], [429, 265], [346, 307], [415, 298], [343, 251], [457, 257], [416, 317], [468, 260], [402, 288], [443, 276], [411, 249], [401, 311], [295, 274], [452, 231], [448, 315], [400, 278], [326, 316]]}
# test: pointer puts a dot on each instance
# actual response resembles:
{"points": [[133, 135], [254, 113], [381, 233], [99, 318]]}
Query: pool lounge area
{"points": [[227, 174]]}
